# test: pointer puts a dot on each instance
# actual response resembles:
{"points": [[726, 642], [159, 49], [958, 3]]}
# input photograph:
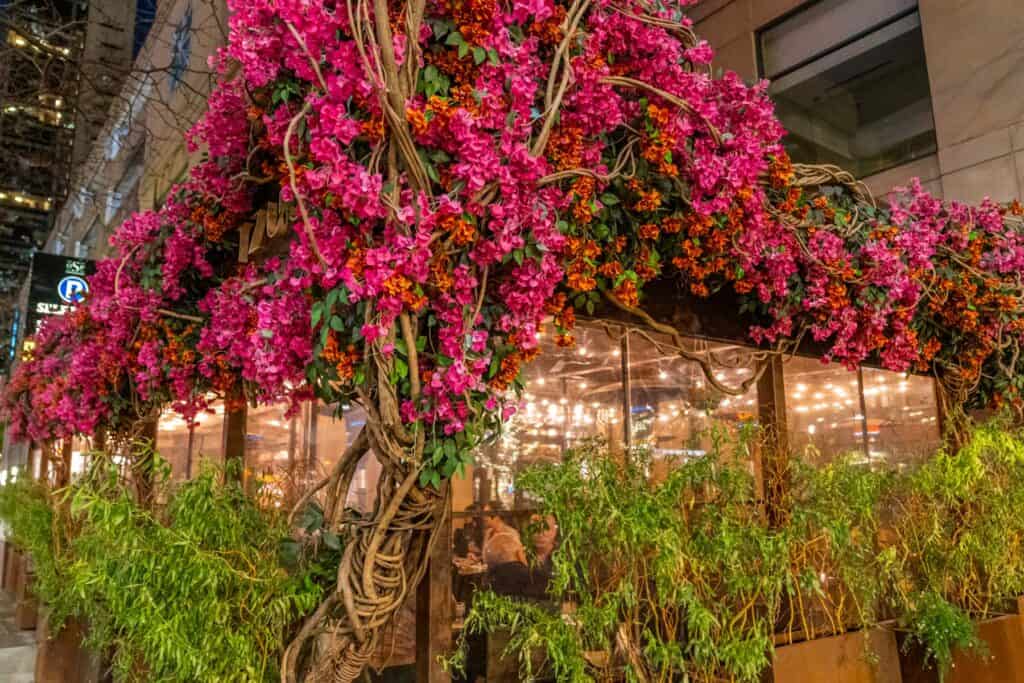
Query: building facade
{"points": [[894, 88], [62, 63]]}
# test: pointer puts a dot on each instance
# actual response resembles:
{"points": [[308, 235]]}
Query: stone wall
{"points": [[975, 55]]}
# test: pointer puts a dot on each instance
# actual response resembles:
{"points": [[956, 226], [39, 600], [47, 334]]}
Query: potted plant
{"points": [[955, 562], [665, 577]]}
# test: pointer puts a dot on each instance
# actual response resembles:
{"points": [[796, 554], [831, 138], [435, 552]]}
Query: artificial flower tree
{"points": [[459, 172]]}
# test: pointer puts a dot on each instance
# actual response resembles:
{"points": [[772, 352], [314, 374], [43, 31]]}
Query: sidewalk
{"points": [[17, 648]]}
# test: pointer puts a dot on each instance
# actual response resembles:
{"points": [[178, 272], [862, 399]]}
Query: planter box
{"points": [[1004, 662], [61, 657], [10, 555], [857, 657], [25, 607]]}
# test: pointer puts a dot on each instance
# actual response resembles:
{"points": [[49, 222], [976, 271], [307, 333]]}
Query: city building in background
{"points": [[890, 89], [62, 63]]}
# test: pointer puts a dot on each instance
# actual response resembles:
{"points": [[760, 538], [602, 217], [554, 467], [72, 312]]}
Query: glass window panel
{"points": [[865, 106], [674, 408], [273, 452], [332, 436], [902, 412], [570, 395], [822, 26], [184, 451], [823, 409], [172, 442]]}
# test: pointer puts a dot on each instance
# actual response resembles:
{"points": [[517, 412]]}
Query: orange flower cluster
{"points": [[657, 146], [215, 225], [400, 286], [580, 270], [344, 362], [373, 129], [511, 364], [356, 262], [583, 190], [462, 70], [565, 147], [417, 120], [549, 32], [473, 18], [440, 271], [704, 247], [564, 318], [461, 231], [648, 200], [649, 231], [781, 173], [627, 293]]}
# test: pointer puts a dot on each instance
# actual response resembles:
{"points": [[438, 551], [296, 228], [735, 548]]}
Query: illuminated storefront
{"points": [[625, 386]]}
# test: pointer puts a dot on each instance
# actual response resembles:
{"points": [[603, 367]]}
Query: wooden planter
{"points": [[21, 575], [857, 657], [5, 568], [1003, 663], [62, 657]]}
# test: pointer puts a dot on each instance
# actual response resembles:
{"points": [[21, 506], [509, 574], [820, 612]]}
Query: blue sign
{"points": [[72, 289], [58, 284]]}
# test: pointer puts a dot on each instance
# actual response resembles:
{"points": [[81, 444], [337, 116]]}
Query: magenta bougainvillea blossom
{"points": [[543, 181]]}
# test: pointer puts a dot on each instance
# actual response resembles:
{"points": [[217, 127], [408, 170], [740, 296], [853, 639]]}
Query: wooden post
{"points": [[627, 393], [234, 439], [434, 608], [44, 462], [774, 451], [865, 445], [62, 471], [142, 462], [62, 657]]}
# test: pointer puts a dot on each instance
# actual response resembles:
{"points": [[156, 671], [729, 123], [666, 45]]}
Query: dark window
{"points": [[850, 83]]}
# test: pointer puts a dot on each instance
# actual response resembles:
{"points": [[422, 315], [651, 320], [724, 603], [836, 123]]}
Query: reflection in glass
{"points": [[902, 416], [823, 410], [184, 448], [674, 408], [273, 446], [862, 103], [334, 434], [571, 395]]}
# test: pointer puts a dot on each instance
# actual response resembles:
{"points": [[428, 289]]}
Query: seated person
{"points": [[544, 538], [502, 544]]}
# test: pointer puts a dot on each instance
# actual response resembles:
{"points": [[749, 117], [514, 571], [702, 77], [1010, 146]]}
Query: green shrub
{"points": [[194, 591], [958, 524], [831, 532], [646, 563], [685, 576], [26, 509]]}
